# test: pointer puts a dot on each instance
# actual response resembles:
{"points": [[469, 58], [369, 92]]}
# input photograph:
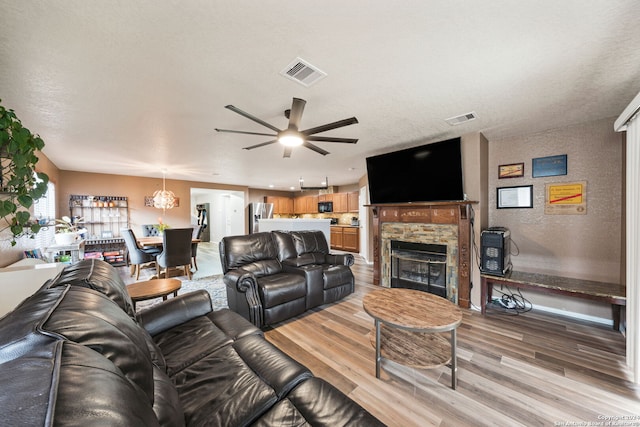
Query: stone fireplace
{"points": [[429, 246]]}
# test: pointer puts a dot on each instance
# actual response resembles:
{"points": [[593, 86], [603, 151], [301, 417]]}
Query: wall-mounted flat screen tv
{"points": [[428, 173]]}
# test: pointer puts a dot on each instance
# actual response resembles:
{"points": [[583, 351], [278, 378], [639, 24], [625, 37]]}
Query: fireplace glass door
{"points": [[419, 266]]}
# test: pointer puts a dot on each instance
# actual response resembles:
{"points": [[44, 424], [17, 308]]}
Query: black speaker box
{"points": [[495, 247]]}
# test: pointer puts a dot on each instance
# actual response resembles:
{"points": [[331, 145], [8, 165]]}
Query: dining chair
{"points": [[197, 232], [176, 251], [138, 257], [149, 230]]}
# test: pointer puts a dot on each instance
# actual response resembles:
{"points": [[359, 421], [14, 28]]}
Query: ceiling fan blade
{"points": [[287, 152], [244, 132], [331, 139], [330, 126], [251, 117], [315, 148], [297, 107], [259, 145]]}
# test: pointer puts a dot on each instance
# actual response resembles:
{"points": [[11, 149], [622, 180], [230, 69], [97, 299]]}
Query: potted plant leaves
{"points": [[20, 184]]}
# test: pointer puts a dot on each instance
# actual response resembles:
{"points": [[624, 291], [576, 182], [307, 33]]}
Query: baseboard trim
{"points": [[574, 315]]}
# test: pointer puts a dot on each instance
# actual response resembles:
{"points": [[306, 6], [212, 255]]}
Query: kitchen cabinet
{"points": [[353, 201], [311, 204], [350, 239], [340, 202], [336, 238], [345, 238], [305, 204], [281, 205]]}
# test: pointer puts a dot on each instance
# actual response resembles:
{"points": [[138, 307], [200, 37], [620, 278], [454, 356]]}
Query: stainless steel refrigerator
{"points": [[258, 211]]}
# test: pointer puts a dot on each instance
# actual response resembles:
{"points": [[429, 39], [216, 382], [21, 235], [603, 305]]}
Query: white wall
{"points": [[226, 210]]}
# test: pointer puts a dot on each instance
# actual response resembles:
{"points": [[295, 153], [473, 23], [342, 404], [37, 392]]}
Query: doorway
{"points": [[225, 212]]}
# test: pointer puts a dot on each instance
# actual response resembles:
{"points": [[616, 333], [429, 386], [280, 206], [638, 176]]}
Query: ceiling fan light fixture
{"points": [[290, 138]]}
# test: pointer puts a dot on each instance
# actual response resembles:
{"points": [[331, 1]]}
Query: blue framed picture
{"points": [[549, 166]]}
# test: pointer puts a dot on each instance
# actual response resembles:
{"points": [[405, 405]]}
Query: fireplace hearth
{"points": [[419, 266]]}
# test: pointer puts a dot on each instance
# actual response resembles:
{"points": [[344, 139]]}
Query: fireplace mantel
{"points": [[456, 213]]}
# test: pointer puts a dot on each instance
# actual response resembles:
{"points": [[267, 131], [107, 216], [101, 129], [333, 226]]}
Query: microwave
{"points": [[325, 207]]}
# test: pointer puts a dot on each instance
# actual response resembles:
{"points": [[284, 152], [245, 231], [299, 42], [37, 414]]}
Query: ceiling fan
{"points": [[292, 136]]}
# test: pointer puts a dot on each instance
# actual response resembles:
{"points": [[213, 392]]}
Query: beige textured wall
{"points": [[581, 246], [135, 188]]}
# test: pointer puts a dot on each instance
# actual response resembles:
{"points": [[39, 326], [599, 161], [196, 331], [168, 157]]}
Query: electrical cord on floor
{"points": [[511, 302]]}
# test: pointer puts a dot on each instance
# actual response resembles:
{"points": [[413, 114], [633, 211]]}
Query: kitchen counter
{"points": [[297, 224]]}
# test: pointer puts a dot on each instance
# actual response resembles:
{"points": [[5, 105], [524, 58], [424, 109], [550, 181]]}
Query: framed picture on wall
{"points": [[515, 197], [514, 170], [549, 166]]}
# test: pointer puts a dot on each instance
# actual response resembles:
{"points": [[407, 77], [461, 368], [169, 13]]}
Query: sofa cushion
{"points": [[92, 391], [166, 402], [280, 288], [181, 349], [336, 275], [310, 241], [285, 245], [239, 251], [264, 267], [27, 381], [89, 318], [232, 324], [317, 403], [98, 275], [18, 328], [221, 390], [275, 368]]}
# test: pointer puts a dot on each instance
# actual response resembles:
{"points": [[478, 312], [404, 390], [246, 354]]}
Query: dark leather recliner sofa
{"points": [[274, 276], [75, 353]]}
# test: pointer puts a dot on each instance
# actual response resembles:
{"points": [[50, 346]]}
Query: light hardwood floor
{"points": [[527, 370]]}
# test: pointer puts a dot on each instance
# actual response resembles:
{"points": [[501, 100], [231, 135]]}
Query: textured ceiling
{"points": [[132, 87]]}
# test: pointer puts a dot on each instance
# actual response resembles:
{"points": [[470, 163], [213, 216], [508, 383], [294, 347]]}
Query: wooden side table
{"points": [[407, 327], [155, 288]]}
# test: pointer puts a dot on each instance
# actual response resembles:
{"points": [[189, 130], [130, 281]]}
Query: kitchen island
{"points": [[298, 224]]}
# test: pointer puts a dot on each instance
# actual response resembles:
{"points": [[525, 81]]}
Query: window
{"points": [[45, 209]]}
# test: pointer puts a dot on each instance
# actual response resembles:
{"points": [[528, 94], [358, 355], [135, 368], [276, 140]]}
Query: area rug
{"points": [[212, 284]]}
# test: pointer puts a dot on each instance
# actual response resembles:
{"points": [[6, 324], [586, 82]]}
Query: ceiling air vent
{"points": [[457, 120], [303, 72]]}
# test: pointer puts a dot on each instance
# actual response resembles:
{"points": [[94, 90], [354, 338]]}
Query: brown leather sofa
{"points": [[75, 353], [274, 276]]}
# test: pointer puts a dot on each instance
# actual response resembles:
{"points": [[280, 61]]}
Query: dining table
{"points": [[156, 241]]}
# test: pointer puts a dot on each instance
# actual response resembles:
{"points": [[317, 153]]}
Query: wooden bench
{"points": [[612, 293]]}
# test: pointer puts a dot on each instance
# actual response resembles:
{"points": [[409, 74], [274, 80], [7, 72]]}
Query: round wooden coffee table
{"points": [[155, 288], [408, 324]]}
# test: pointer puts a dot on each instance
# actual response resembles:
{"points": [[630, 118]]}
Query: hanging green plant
{"points": [[20, 184]]}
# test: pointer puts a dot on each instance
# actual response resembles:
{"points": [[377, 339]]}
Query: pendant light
{"points": [[164, 199]]}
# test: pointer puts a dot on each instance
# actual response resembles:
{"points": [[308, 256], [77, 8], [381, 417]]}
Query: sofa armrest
{"points": [[175, 311], [340, 259], [243, 296], [314, 278]]}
